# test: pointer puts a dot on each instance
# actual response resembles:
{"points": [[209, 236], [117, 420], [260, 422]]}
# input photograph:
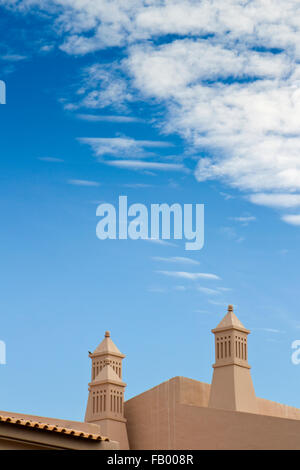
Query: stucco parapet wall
{"points": [[272, 408], [175, 415], [188, 391], [209, 428], [193, 392]]}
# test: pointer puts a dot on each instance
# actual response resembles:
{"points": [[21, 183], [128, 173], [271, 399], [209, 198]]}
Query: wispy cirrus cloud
{"points": [[243, 220], [176, 259], [180, 288], [144, 165], [231, 234], [79, 182], [215, 291], [207, 290], [189, 275], [135, 154], [51, 159], [270, 330], [13, 57], [108, 118], [138, 185], [124, 147], [158, 241]]}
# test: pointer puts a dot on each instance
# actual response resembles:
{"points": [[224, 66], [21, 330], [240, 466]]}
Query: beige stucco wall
{"points": [[207, 428], [271, 408], [8, 444], [193, 392], [175, 415], [115, 430]]}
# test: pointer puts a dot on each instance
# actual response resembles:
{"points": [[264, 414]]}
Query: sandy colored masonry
{"points": [[186, 414], [180, 413]]}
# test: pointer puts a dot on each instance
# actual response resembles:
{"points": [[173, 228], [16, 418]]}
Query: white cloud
{"points": [[207, 290], [166, 71], [176, 259], [251, 129], [226, 196], [103, 86], [231, 234], [13, 57], [280, 200], [47, 48], [244, 220], [123, 147], [87, 25], [269, 330], [83, 183], [109, 118], [188, 275], [143, 165], [70, 106], [180, 288], [231, 88], [292, 219], [131, 151], [138, 185], [272, 330], [160, 242], [51, 159]]}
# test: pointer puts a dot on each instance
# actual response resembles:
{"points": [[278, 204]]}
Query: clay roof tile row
{"points": [[52, 428]]}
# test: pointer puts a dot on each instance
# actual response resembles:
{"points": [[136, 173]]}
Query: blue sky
{"points": [[107, 99]]}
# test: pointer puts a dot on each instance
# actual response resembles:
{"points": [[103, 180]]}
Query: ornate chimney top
{"points": [[232, 386], [229, 322], [106, 392]]}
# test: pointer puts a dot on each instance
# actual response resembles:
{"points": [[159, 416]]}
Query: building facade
{"points": [[180, 413]]}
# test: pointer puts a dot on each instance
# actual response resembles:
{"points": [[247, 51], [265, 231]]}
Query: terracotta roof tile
{"points": [[52, 428]]}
